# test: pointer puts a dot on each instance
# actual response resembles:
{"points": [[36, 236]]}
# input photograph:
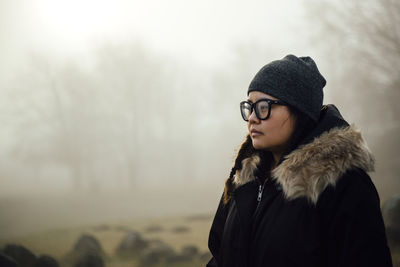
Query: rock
{"points": [[190, 252], [180, 229], [205, 256], [391, 216], [20, 254], [156, 252], [154, 229], [89, 260], [6, 261], [88, 244], [87, 250], [200, 217], [131, 245], [122, 228], [391, 211], [46, 261]]}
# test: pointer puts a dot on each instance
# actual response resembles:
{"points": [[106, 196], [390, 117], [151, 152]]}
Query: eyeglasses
{"points": [[262, 108]]}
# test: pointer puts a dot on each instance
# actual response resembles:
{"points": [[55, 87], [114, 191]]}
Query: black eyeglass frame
{"points": [[253, 105]]}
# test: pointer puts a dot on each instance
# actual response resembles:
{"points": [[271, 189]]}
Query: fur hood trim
{"points": [[309, 169], [246, 174]]}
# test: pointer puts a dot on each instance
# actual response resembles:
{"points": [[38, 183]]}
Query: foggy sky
{"points": [[141, 99], [203, 31], [40, 40]]}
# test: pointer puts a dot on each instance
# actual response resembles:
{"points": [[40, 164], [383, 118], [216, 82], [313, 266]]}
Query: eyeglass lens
{"points": [[246, 109], [262, 109]]}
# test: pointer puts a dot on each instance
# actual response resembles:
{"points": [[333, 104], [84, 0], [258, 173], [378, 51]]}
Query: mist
{"points": [[119, 110]]}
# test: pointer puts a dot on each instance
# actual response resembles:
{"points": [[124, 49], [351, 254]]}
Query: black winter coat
{"points": [[319, 209]]}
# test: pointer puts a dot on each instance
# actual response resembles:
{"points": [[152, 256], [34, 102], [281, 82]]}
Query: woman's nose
{"points": [[253, 118]]}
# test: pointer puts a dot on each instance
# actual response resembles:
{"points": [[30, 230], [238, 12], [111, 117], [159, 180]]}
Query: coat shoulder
{"points": [[311, 168], [353, 189], [350, 215]]}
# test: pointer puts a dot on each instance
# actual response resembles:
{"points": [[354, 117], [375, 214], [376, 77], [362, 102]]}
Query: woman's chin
{"points": [[257, 145]]}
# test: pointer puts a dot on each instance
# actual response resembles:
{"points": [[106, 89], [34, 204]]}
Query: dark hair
{"points": [[303, 126], [245, 151]]}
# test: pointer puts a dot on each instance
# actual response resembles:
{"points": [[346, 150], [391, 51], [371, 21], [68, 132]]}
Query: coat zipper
{"points": [[260, 191]]}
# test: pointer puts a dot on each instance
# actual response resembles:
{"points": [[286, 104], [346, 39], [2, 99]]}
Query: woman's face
{"points": [[272, 134]]}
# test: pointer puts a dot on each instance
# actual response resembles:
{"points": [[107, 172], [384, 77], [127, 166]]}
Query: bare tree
{"points": [[362, 39]]}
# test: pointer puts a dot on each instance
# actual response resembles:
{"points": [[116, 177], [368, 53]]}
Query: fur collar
{"points": [[309, 169]]}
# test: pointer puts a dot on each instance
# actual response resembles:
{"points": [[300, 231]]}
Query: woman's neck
{"points": [[276, 158]]}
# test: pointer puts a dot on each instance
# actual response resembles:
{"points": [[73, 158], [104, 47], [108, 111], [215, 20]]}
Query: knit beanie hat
{"points": [[294, 80]]}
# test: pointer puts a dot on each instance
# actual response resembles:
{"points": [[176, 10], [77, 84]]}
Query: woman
{"points": [[298, 193]]}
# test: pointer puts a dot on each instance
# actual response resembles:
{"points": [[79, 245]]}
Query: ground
{"points": [[175, 231]]}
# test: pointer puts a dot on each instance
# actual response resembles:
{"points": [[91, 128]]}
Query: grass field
{"points": [[59, 242]]}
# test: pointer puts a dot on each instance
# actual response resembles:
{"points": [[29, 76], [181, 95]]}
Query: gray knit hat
{"points": [[294, 80]]}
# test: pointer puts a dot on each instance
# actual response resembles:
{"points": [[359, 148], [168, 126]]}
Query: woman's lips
{"points": [[255, 133]]}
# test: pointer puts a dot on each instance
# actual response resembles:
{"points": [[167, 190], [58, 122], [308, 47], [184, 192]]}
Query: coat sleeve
{"points": [[355, 229], [216, 232]]}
